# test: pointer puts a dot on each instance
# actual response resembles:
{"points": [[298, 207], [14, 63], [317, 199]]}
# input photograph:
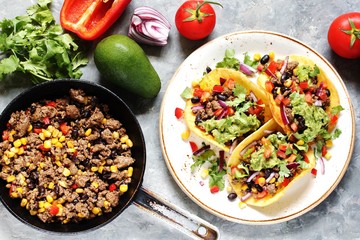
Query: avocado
{"points": [[122, 61]]}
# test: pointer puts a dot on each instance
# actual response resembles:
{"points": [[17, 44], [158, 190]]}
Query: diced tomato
{"points": [[308, 98], [285, 182], [218, 112], [279, 98], [269, 86], [255, 110], [286, 101], [283, 147], [46, 120], [230, 83], [179, 113], [314, 171], [205, 96], [260, 67], [230, 111], [214, 189], [64, 128], [273, 66], [112, 187], [37, 130], [333, 119], [261, 195], [306, 159], [51, 104], [294, 127], [303, 85], [54, 210], [218, 89], [5, 135], [193, 146], [323, 150], [198, 92], [281, 154]]}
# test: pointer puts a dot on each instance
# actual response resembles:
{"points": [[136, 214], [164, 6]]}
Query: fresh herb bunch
{"points": [[34, 44]]}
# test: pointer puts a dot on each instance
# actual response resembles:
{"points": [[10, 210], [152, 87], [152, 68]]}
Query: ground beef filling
{"points": [[66, 159]]}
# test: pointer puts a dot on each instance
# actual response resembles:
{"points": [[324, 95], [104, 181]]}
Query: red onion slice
{"points": [[246, 69], [284, 118], [252, 176], [252, 95], [201, 150], [270, 177], [247, 148], [322, 165], [283, 68], [149, 26], [245, 197]]}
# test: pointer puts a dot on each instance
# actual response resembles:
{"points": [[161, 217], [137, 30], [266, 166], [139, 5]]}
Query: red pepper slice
{"points": [[5, 135], [193, 146], [37, 130], [54, 210], [112, 187], [261, 195], [285, 182], [64, 128], [89, 19], [314, 171], [51, 104], [214, 189], [218, 89], [323, 151], [179, 113]]}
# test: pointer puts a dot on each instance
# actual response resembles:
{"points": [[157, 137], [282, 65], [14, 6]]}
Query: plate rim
{"points": [[277, 219]]}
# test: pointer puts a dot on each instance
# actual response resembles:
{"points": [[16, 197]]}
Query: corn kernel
{"points": [[33, 212], [129, 143], [30, 128], [46, 133], [329, 143], [14, 195], [55, 133], [79, 190], [104, 121], [10, 154], [58, 145], [123, 188], [49, 198], [63, 184], [124, 138], [41, 210], [20, 190], [42, 165], [185, 134], [115, 135], [51, 128], [60, 201], [101, 168], [14, 150], [17, 143], [244, 187], [272, 180], [229, 189], [66, 221], [261, 181], [257, 56], [204, 173], [54, 141], [66, 172], [113, 169], [94, 169], [130, 171], [21, 151], [124, 146], [6, 160], [62, 139], [96, 210], [88, 132], [42, 136], [194, 83], [254, 190], [300, 142], [278, 75], [272, 55], [47, 205], [106, 204], [70, 144], [242, 205], [10, 178], [71, 150], [95, 184], [288, 83], [51, 185], [80, 215], [41, 204], [47, 144], [23, 202], [327, 155]]}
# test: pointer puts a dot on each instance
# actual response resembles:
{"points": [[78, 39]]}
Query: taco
{"points": [[265, 165], [225, 107], [303, 101]]}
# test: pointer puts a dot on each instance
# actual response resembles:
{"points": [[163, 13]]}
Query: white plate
{"points": [[304, 195]]}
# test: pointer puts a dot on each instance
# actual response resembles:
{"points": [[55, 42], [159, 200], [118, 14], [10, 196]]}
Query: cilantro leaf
{"points": [[229, 60]]}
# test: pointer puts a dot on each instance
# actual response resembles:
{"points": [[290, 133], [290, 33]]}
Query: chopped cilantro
{"points": [[229, 60]]}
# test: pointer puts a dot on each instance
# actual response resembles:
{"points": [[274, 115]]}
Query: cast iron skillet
{"points": [[189, 224]]}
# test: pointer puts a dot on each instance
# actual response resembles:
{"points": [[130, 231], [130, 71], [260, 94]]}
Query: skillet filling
{"points": [[67, 159]]}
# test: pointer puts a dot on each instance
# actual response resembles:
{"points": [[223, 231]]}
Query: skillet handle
{"points": [[184, 221]]}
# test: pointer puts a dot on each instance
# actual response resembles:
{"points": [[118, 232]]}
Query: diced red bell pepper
{"points": [[283, 147], [198, 92], [281, 154], [51, 104], [323, 150], [303, 85], [314, 171], [333, 119], [89, 19], [261, 195], [37, 130], [42, 148], [255, 110], [285, 182], [306, 159], [218, 89], [112, 187], [193, 146], [286, 101], [5, 135], [46, 120], [64, 128], [230, 83], [218, 112], [214, 189], [230, 111], [54, 210], [179, 113], [273, 66]]}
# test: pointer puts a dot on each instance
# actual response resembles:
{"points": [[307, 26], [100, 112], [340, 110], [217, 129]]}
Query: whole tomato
{"points": [[344, 35], [196, 19]]}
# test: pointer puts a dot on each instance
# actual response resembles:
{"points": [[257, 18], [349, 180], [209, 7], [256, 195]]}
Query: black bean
{"points": [[34, 176], [284, 76], [31, 185], [221, 97], [195, 99], [208, 69], [198, 119], [32, 109], [57, 190], [41, 190], [84, 197], [106, 175], [327, 91], [264, 59], [86, 113], [76, 201], [75, 133], [232, 196], [258, 188]]}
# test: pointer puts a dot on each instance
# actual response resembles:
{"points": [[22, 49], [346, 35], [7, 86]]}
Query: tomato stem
{"points": [[353, 32], [197, 14]]}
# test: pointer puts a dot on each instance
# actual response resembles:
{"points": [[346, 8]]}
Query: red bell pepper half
{"points": [[89, 19]]}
